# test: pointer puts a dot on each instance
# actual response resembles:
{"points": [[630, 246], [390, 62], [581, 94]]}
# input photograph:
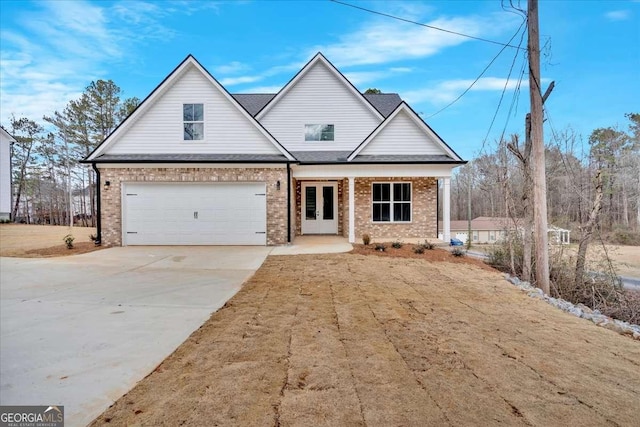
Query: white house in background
{"points": [[5, 173], [485, 229], [196, 165]]}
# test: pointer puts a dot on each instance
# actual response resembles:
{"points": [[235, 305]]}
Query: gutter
{"points": [[98, 240]]}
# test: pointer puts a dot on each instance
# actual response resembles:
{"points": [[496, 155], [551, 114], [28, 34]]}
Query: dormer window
{"points": [[193, 121], [318, 133]]}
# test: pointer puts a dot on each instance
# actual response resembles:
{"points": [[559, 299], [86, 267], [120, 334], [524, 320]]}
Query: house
{"points": [[5, 173], [195, 165], [486, 229]]}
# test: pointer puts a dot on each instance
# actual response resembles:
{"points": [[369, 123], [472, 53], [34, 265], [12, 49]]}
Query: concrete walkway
{"points": [[81, 331], [314, 245]]}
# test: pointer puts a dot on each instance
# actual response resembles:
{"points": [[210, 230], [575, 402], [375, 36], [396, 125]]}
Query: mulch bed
{"points": [[407, 251], [60, 250]]}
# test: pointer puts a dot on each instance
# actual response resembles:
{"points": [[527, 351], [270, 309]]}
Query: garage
{"points": [[194, 213]]}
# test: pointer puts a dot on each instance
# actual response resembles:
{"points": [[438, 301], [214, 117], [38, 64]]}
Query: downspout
{"points": [[438, 209], [98, 240], [288, 202]]}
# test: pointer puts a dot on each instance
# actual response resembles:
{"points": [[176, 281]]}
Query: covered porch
{"points": [[385, 201]]}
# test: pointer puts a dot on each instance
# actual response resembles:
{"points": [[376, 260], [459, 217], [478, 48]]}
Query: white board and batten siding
{"points": [[194, 213], [5, 174], [320, 98], [160, 129], [403, 136]]}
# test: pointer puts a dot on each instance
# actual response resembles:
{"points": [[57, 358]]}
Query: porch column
{"points": [[446, 210], [352, 210]]}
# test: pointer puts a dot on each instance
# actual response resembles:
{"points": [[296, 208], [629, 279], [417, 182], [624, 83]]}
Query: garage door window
{"points": [[193, 120]]}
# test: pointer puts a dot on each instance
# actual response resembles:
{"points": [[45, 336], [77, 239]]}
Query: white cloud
{"points": [[49, 54], [233, 67], [232, 81], [449, 90], [618, 15], [384, 41], [401, 69]]}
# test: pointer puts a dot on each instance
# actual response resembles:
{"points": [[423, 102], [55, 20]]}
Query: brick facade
{"points": [[111, 198], [423, 210]]}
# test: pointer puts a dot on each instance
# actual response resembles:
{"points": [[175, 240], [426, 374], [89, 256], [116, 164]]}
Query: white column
{"points": [[352, 210], [446, 210]]}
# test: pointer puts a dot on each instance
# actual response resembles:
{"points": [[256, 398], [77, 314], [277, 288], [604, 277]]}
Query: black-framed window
{"points": [[391, 202], [193, 121], [319, 132]]}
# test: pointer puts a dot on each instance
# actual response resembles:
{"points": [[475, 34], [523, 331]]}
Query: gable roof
{"points": [[145, 105], [7, 135], [253, 102], [318, 59], [386, 103], [404, 107]]}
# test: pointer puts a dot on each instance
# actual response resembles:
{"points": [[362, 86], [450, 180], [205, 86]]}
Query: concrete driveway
{"points": [[80, 331]]}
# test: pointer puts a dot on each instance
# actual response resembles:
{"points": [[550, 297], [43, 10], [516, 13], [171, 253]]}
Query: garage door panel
{"points": [[194, 214]]}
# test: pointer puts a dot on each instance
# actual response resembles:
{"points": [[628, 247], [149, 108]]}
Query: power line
{"points": [[504, 89], [426, 25], [479, 76]]}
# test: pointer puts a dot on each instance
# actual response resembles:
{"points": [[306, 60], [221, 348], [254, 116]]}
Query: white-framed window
{"points": [[475, 236], [391, 202], [193, 121], [319, 133], [492, 235]]}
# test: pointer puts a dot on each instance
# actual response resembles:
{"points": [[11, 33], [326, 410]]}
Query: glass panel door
{"points": [[310, 203], [327, 202]]}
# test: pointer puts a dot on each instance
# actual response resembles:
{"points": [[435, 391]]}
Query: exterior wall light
{"points": [[278, 185], [107, 184]]}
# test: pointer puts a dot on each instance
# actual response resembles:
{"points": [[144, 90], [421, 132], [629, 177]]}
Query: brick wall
{"points": [[111, 199], [423, 213]]}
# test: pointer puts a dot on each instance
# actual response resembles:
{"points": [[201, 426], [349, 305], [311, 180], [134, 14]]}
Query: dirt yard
{"points": [[350, 339], [35, 241]]}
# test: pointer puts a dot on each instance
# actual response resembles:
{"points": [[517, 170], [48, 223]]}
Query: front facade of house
{"points": [[195, 165]]}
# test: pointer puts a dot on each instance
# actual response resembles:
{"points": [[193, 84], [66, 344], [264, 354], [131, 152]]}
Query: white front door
{"points": [[319, 208]]}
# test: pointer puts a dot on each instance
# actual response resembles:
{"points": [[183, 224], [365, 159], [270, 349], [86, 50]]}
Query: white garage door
{"points": [[194, 214]]}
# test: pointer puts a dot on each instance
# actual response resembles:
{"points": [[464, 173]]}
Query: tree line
{"points": [[50, 186], [494, 183]]}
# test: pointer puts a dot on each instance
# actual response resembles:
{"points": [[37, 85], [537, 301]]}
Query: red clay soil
{"points": [[352, 340]]}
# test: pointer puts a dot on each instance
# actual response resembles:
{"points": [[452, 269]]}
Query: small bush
{"points": [[380, 247], [419, 249], [366, 239], [397, 244], [5, 221], [428, 245], [68, 240], [457, 252], [623, 236]]}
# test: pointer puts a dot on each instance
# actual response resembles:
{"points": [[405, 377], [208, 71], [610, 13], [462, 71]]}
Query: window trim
{"points": [[193, 121], [320, 135], [392, 202]]}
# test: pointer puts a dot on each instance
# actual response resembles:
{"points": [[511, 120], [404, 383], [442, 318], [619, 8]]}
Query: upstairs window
{"points": [[392, 202], [318, 132], [193, 121]]}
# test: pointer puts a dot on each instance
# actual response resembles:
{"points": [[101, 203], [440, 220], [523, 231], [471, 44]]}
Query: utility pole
{"points": [[537, 144], [469, 217]]}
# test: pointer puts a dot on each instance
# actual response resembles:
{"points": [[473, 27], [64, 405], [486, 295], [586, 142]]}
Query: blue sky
{"points": [[49, 51]]}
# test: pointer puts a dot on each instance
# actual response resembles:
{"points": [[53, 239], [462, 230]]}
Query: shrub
{"points": [[380, 247], [68, 240], [428, 245], [5, 221], [366, 239], [419, 249], [623, 236], [457, 252], [397, 244]]}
